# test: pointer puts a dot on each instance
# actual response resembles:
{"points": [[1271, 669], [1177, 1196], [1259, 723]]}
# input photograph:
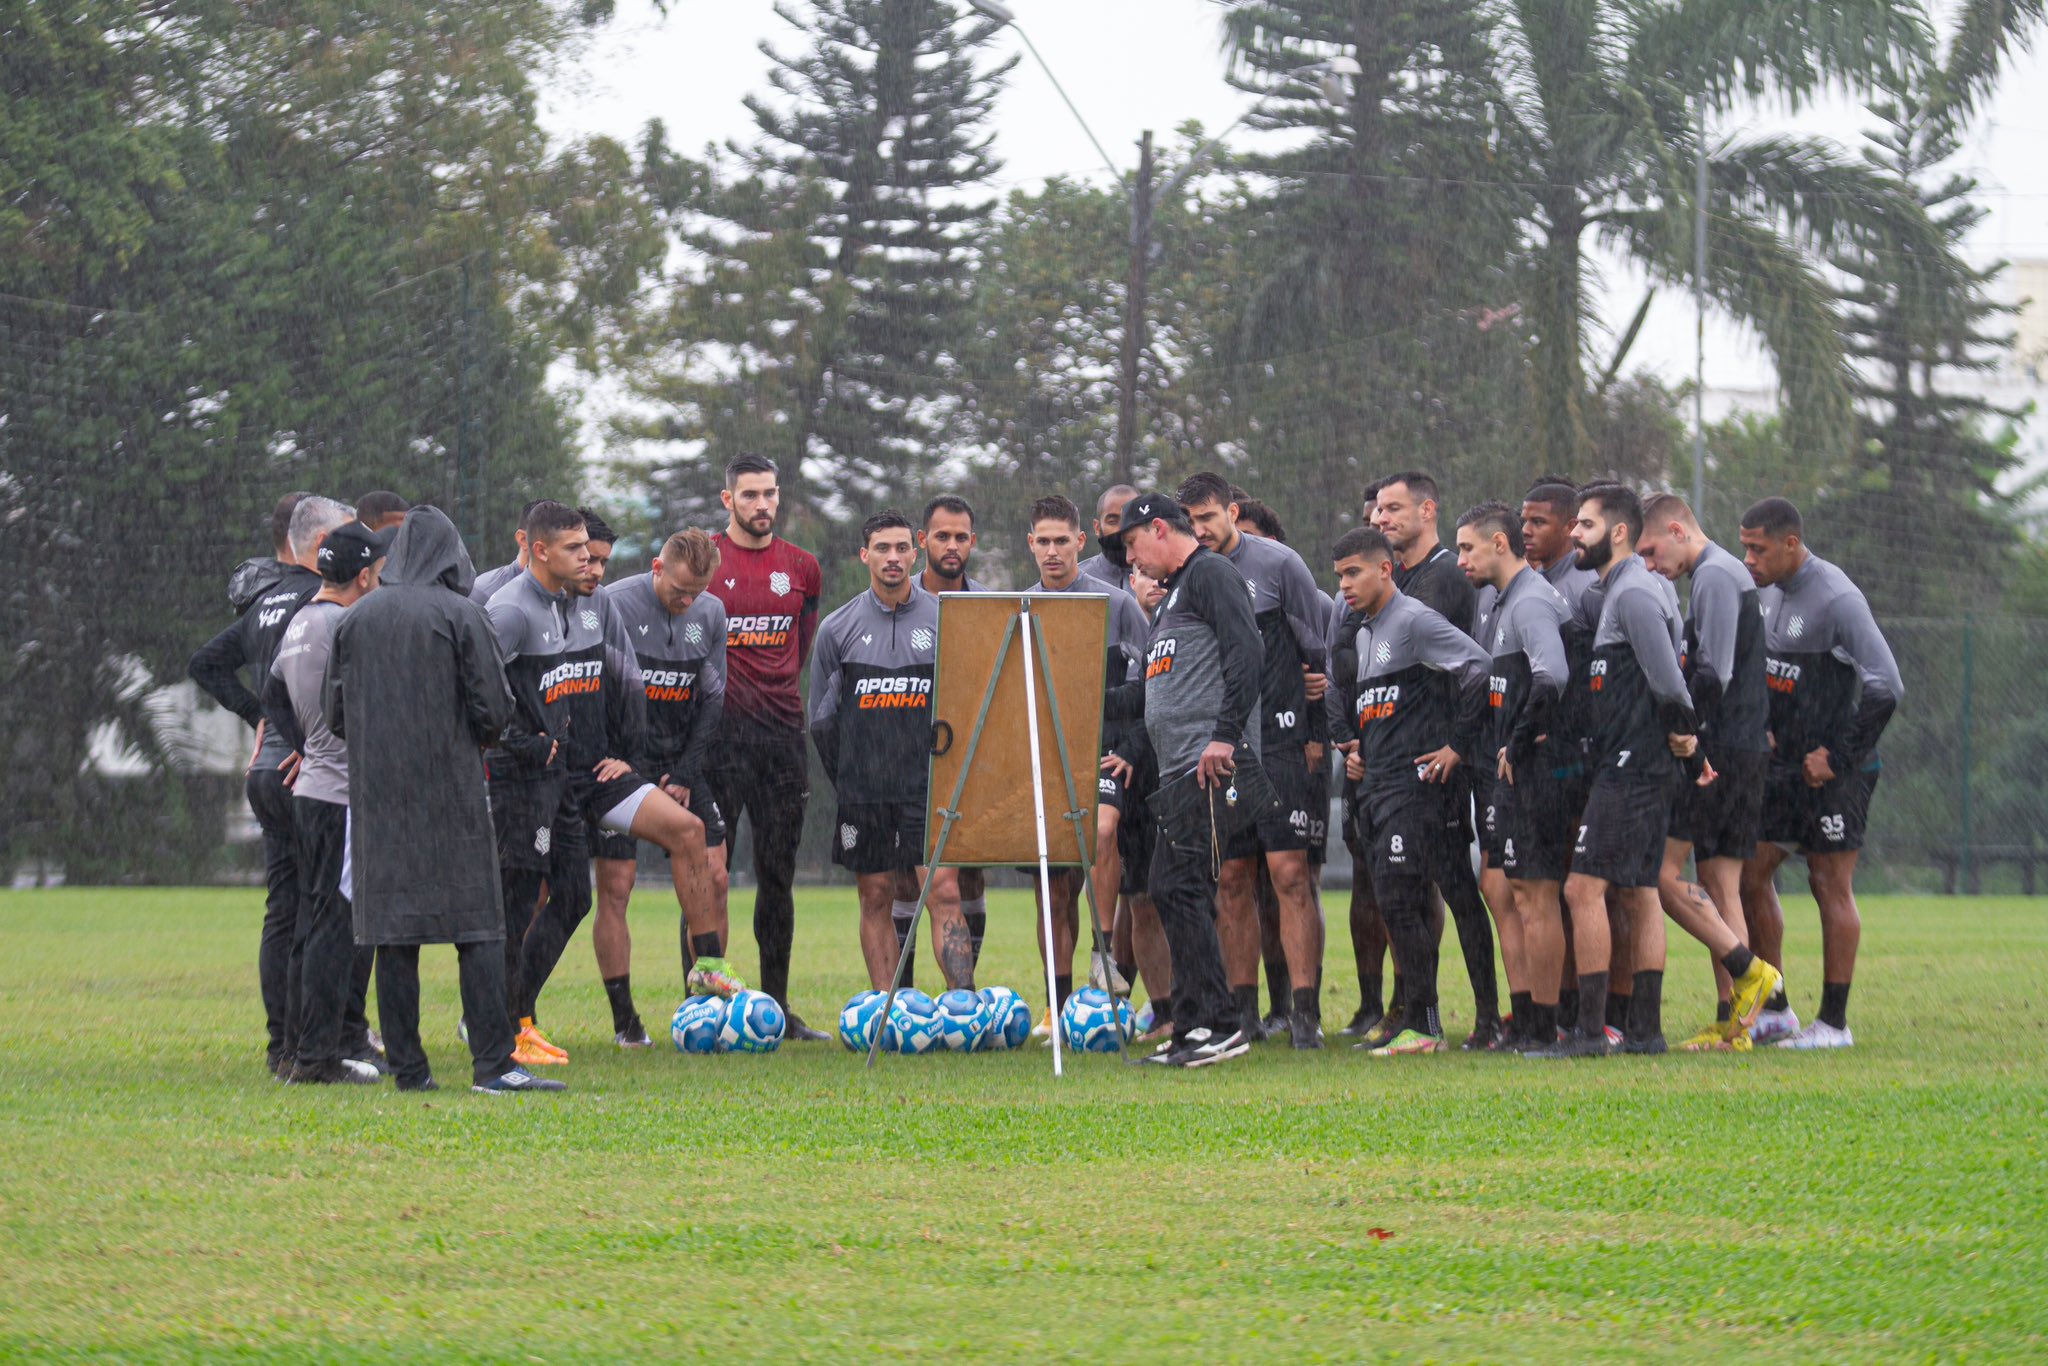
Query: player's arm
{"points": [[1549, 671], [524, 736], [825, 703], [1883, 689], [480, 683], [1442, 646], [710, 706], [1716, 612], [1219, 598], [625, 693], [807, 619], [1340, 700], [278, 714], [216, 668], [1648, 634]]}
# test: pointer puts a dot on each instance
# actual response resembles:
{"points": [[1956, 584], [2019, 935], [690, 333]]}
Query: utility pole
{"points": [[1699, 294], [1134, 315]]}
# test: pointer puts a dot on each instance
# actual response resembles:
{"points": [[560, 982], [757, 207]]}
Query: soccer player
{"points": [[1833, 686], [266, 594], [1369, 943], [1138, 936], [1199, 696], [1419, 712], [678, 633], [382, 510], [871, 707], [579, 716], [1053, 540], [350, 558], [491, 580], [947, 539], [1521, 619], [1291, 619], [1715, 826], [1109, 510], [758, 769], [1404, 511]]}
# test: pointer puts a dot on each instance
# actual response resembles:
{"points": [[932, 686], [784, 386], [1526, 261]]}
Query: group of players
{"points": [[1535, 687]]}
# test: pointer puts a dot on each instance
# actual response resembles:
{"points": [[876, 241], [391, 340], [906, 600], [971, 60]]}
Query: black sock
{"points": [[1065, 988], [1724, 1011], [975, 912], [1778, 1001], [1279, 989], [706, 946], [619, 990], [1568, 1007], [1542, 1026], [1834, 1004], [1369, 998], [1737, 960], [1518, 1006], [1646, 1007], [1247, 1002], [1308, 1003], [1593, 1004], [1127, 971], [1617, 1010], [1397, 999]]}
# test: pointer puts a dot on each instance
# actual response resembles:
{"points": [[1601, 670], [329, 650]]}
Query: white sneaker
{"points": [[1102, 974], [362, 1071], [1819, 1034], [1772, 1025]]}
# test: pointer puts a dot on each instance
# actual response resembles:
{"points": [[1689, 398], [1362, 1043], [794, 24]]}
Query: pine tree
{"points": [[822, 319]]}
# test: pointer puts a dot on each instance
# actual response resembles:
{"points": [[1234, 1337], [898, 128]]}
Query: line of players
{"points": [[1540, 675]]}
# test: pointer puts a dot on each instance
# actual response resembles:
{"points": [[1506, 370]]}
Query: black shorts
{"points": [[1319, 814], [879, 837], [606, 844], [524, 814], [1408, 838], [1621, 834], [1830, 819], [1723, 819], [1487, 796], [1538, 815], [1287, 828]]}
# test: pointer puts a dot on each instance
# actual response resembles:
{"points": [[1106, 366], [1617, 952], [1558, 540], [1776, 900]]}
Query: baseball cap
{"points": [[350, 549]]}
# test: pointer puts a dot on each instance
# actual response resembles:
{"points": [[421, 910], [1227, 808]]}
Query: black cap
{"points": [[350, 549]]}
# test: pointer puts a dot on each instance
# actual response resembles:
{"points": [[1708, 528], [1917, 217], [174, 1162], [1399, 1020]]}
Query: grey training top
{"points": [[491, 580], [1570, 581], [302, 665], [1291, 617], [1099, 568]]}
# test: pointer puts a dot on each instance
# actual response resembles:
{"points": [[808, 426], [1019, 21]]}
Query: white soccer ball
{"points": [[697, 1023], [913, 1025], [1092, 1018], [754, 1023], [1009, 1020], [963, 1019], [860, 1018]]}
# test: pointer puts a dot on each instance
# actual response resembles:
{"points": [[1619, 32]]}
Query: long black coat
{"points": [[415, 687]]}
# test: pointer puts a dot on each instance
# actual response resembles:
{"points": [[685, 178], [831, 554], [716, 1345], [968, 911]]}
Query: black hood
{"points": [[429, 551], [253, 578]]}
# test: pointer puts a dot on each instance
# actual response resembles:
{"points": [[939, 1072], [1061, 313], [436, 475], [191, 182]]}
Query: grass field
{"points": [[165, 1199]]}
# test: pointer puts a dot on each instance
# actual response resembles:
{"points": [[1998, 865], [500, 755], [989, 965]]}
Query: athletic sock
{"points": [[1617, 1010], [1369, 998], [1737, 960], [1065, 988], [1279, 989], [1724, 1011], [1542, 1027], [975, 912], [1834, 1004], [1568, 1007], [1247, 1003], [1308, 1003], [1646, 1006], [900, 914], [1592, 996], [1518, 1006], [1397, 999], [706, 946], [1778, 1001], [1129, 972], [619, 991]]}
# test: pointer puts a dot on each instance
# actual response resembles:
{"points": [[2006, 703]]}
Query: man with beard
{"points": [[1108, 513], [758, 768], [1833, 687], [415, 689]]}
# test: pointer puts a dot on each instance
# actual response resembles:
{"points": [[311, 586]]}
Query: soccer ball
{"points": [[913, 1025], [860, 1018], [1091, 1019], [754, 1023], [963, 1019], [697, 1024], [1009, 1020]]}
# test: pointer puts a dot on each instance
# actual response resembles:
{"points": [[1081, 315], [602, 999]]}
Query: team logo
{"points": [[1500, 636], [1382, 652], [848, 837], [542, 838], [643, 628], [868, 639], [778, 584], [1796, 627], [731, 583], [920, 639], [692, 633], [589, 620], [1172, 598]]}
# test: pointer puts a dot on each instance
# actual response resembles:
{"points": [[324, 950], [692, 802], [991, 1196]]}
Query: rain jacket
{"points": [[415, 688]]}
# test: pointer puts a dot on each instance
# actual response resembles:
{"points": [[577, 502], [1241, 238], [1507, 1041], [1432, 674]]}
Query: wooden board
{"points": [[996, 825]]}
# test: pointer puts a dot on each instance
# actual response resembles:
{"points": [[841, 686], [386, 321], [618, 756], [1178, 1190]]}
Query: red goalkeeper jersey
{"points": [[771, 617]]}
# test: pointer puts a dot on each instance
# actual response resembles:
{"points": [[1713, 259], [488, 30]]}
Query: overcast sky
{"points": [[1137, 64]]}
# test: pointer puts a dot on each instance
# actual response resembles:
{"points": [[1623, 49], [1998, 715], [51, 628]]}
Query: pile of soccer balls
{"points": [[751, 1022], [991, 1020]]}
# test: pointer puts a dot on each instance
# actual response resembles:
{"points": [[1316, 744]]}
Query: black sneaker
{"points": [[337, 1072], [1363, 1023], [1251, 1026], [428, 1085], [1276, 1025], [634, 1035], [1574, 1046], [1203, 1047], [518, 1081], [1305, 1030], [796, 1031], [1485, 1036], [1651, 1046], [281, 1066], [1385, 1032]]}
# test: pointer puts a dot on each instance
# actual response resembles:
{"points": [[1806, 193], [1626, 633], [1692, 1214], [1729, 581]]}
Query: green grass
{"points": [[165, 1199]]}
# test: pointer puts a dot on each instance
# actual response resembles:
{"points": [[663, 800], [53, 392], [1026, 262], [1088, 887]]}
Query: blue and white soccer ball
{"points": [[697, 1024], [860, 1018], [1091, 1019], [1009, 1020], [963, 1019], [754, 1023], [913, 1025]]}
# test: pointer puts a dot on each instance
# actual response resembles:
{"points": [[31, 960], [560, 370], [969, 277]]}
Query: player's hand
{"points": [[1315, 684], [554, 748], [1117, 767], [608, 769], [1436, 766], [1707, 775], [1819, 767], [677, 793], [290, 768], [1354, 767], [1314, 750], [1684, 746], [1502, 769], [1217, 763]]}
